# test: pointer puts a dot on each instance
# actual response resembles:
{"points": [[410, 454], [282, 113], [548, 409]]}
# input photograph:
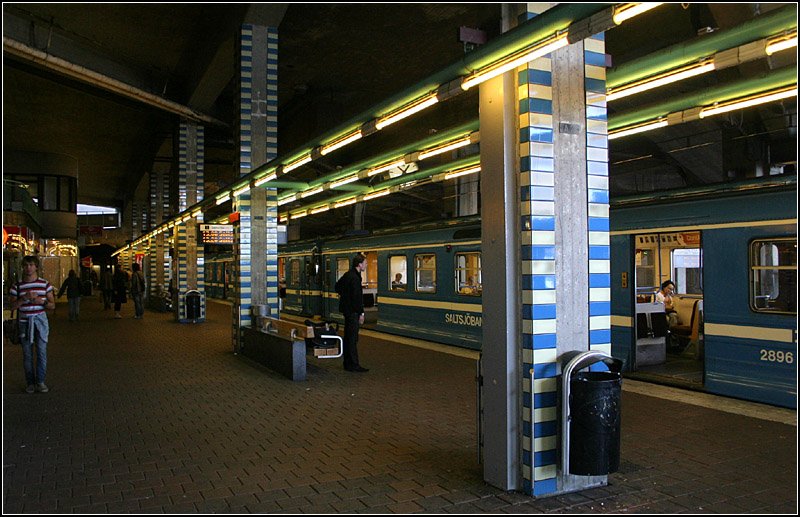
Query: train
{"points": [[732, 253], [730, 250], [421, 281]]}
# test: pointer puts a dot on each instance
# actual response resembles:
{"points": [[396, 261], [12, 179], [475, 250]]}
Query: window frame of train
{"points": [[394, 269], [295, 268], [342, 270], [760, 302], [417, 269], [464, 270], [649, 247]]}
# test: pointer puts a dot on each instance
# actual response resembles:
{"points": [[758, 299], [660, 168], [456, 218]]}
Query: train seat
{"points": [[687, 331]]}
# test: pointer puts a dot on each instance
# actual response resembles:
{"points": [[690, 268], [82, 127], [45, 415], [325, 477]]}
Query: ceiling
{"points": [[335, 62]]}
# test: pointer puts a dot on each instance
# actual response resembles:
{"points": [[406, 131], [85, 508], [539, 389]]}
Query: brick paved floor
{"points": [[153, 416]]}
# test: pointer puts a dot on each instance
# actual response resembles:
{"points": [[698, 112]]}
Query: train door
{"points": [[281, 282], [669, 340], [312, 289], [339, 266], [293, 303], [369, 279]]}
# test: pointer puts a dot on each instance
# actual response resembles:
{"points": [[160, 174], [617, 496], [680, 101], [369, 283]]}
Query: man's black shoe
{"points": [[359, 369]]}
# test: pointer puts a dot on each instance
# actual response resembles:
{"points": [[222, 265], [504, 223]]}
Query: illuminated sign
{"points": [[217, 233]]}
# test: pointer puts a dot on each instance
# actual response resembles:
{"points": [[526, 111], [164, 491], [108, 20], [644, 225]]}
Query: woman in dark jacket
{"points": [[120, 290]]}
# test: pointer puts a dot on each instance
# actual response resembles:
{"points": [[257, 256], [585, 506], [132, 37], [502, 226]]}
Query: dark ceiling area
{"points": [[335, 62]]}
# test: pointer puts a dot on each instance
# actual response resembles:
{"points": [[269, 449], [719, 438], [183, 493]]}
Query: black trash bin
{"points": [[595, 423], [192, 305]]}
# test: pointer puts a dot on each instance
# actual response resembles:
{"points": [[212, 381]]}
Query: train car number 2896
{"points": [[777, 356]]}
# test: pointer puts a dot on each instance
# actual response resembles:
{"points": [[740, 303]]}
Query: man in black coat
{"points": [[351, 305]]}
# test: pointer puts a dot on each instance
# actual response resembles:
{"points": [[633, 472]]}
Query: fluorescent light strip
{"points": [[462, 142], [781, 43], [352, 137], [346, 202], [748, 102], [628, 11], [344, 181], [239, 192], [308, 193], [379, 193], [319, 209], [297, 163], [224, 198], [287, 199], [462, 172], [655, 82], [407, 110], [386, 167], [298, 215], [515, 60], [197, 212], [638, 129], [265, 179]]}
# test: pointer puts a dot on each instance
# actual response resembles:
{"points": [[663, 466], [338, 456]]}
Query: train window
{"points": [[282, 269], [773, 266], [646, 271], [687, 270], [294, 279], [370, 275], [342, 267], [468, 274], [425, 273], [398, 275]]}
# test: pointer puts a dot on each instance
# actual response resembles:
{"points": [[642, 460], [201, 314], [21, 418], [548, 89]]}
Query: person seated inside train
{"points": [[470, 287], [665, 296], [397, 283]]}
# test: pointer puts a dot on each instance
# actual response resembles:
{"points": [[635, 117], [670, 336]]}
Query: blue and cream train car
{"points": [[218, 277], [732, 254], [422, 282]]}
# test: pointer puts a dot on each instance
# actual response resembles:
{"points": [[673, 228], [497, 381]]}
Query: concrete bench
{"points": [[282, 353], [281, 345]]}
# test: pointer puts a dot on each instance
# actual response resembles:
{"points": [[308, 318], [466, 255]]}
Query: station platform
{"points": [[154, 416]]}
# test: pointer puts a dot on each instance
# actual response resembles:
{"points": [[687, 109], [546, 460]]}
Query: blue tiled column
{"points": [[565, 243], [598, 196], [545, 226], [256, 238], [158, 266], [537, 196], [189, 257]]}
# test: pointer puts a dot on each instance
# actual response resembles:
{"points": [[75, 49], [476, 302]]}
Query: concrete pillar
{"points": [[158, 265], [189, 259], [545, 194], [569, 256], [256, 236], [500, 354]]}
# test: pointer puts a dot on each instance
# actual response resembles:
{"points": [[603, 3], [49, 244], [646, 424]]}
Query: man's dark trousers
{"points": [[351, 340]]}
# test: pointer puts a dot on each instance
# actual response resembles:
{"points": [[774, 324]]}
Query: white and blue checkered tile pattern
{"points": [[537, 180]]}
